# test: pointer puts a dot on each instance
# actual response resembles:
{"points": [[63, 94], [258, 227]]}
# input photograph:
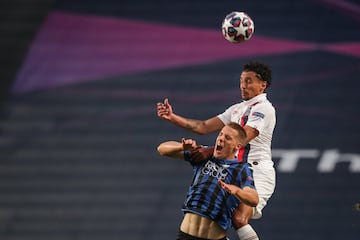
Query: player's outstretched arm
{"points": [[165, 111], [176, 149], [246, 195]]}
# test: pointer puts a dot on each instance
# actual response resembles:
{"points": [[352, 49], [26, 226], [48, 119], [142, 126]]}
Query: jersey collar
{"points": [[256, 99]]}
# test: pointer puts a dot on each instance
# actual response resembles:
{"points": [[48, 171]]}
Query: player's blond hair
{"points": [[241, 136]]}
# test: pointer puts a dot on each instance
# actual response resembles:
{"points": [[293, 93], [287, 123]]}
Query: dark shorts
{"points": [[185, 236]]}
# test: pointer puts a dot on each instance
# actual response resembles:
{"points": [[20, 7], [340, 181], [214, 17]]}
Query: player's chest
{"points": [[219, 170], [238, 114]]}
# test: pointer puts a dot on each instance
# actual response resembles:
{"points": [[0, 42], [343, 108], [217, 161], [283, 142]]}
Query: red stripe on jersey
{"points": [[241, 154], [244, 151]]}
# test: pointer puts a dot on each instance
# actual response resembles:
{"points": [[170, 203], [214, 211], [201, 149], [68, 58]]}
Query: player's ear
{"points": [[239, 146], [264, 85]]}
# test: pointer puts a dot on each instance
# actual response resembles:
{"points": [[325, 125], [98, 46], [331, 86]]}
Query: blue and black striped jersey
{"points": [[206, 197]]}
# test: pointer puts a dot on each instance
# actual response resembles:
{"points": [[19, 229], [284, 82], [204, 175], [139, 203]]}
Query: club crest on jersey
{"points": [[215, 170], [258, 114]]}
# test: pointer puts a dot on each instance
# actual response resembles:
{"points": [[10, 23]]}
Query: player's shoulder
{"points": [[266, 106], [268, 103]]}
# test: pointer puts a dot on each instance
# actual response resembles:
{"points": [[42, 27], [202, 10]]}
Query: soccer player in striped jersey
{"points": [[219, 184]]}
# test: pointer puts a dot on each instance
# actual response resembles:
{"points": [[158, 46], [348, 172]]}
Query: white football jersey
{"points": [[260, 114]]}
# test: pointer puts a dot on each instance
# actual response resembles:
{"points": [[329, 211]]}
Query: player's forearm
{"points": [[248, 196], [187, 123], [171, 149]]}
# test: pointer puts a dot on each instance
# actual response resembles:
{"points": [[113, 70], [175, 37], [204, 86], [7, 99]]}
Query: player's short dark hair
{"points": [[239, 129], [262, 70]]}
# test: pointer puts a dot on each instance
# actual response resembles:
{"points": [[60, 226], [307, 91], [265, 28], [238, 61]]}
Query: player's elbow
{"points": [[161, 149], [201, 130], [208, 126], [170, 149]]}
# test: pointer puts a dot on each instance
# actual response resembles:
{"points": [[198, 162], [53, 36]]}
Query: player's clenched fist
{"points": [[189, 144]]}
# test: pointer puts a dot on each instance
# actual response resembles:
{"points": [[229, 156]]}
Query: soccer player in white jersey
{"points": [[258, 117]]}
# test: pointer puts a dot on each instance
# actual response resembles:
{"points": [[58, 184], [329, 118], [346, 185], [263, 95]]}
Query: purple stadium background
{"points": [[79, 130]]}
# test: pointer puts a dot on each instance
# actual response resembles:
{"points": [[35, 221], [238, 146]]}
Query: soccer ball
{"points": [[237, 27]]}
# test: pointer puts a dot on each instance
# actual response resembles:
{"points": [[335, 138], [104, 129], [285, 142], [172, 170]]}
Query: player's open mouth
{"points": [[218, 148]]}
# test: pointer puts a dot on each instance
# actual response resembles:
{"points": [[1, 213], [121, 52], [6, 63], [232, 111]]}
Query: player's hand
{"points": [[189, 144], [201, 154], [228, 187], [164, 110]]}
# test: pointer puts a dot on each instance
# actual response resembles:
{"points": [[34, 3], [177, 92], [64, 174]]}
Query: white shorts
{"points": [[265, 179]]}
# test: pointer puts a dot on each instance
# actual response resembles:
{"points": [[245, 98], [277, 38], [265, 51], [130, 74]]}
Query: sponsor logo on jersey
{"points": [[258, 114], [215, 170]]}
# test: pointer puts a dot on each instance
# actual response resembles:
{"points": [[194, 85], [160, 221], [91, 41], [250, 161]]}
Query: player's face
{"points": [[251, 85], [226, 143]]}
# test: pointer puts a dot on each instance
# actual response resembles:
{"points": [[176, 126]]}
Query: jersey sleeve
{"points": [[225, 117]]}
